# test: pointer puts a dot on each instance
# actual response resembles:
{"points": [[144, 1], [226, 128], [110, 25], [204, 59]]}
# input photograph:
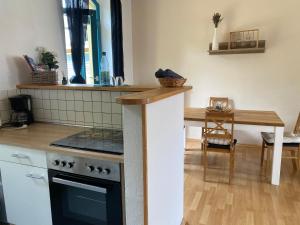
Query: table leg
{"points": [[277, 154], [184, 136]]}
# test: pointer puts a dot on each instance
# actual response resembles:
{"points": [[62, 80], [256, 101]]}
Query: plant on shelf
{"points": [[48, 59], [217, 19]]}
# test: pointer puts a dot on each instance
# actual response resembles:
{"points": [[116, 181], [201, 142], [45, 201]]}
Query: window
{"points": [[98, 39]]}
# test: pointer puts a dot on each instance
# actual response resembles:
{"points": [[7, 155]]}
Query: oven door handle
{"points": [[79, 185]]}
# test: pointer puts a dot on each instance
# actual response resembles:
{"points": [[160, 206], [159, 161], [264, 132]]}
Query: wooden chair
{"points": [[214, 101], [291, 143], [218, 139]]}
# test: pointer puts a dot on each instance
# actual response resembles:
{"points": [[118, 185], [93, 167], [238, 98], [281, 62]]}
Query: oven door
{"points": [[78, 200]]}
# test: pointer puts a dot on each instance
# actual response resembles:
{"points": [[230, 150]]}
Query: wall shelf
{"points": [[224, 49]]}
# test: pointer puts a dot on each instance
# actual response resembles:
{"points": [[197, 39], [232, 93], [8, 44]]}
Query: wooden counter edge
{"points": [[147, 97], [71, 152], [130, 88], [243, 123]]}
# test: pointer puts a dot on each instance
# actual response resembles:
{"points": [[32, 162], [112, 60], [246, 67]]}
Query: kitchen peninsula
{"points": [[152, 120]]}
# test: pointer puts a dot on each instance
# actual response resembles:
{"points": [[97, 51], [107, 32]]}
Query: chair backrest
{"points": [[297, 127], [219, 101], [215, 126]]}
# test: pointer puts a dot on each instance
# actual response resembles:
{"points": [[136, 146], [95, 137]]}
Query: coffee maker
{"points": [[21, 106]]}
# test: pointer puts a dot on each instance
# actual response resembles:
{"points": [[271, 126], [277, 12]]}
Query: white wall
{"points": [[127, 40], [165, 160], [176, 34], [24, 26]]}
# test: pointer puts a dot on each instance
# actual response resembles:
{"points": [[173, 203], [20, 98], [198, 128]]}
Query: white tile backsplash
{"points": [[70, 95], [87, 95], [62, 105], [79, 116], [71, 116], [63, 115], [78, 95], [106, 97], [107, 118], [88, 117], [70, 105], [54, 104], [61, 95], [96, 96], [55, 115], [45, 94], [88, 106], [84, 108], [97, 118], [78, 106], [53, 94], [106, 107], [46, 104], [5, 109], [97, 107]]}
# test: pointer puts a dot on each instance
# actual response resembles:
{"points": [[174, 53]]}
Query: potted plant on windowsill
{"points": [[48, 59], [47, 67]]}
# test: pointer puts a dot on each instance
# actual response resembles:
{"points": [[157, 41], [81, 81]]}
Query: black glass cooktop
{"points": [[100, 140]]}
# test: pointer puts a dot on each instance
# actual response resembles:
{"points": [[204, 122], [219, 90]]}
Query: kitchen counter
{"points": [[38, 136]]}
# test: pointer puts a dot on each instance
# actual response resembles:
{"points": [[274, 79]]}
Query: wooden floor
{"points": [[249, 200]]}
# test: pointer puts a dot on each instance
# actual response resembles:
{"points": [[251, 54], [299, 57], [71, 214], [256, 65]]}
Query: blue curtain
{"points": [[77, 12], [117, 37]]}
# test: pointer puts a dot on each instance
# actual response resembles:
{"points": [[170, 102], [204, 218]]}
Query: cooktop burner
{"points": [[100, 140]]}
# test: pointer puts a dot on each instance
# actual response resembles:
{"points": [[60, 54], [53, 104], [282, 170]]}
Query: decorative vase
{"points": [[215, 44]]}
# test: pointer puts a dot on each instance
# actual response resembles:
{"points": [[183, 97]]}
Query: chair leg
{"points": [[262, 157], [204, 163], [231, 168]]}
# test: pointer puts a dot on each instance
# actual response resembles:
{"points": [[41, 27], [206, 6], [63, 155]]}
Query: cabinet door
{"points": [[26, 194]]}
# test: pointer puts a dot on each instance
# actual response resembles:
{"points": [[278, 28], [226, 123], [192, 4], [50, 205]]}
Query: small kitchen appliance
{"points": [[21, 106]]}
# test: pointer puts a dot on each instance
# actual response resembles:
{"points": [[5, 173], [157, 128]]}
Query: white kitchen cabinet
{"points": [[26, 193]]}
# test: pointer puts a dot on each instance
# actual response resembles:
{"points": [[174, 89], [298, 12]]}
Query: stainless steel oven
{"points": [[84, 191]]}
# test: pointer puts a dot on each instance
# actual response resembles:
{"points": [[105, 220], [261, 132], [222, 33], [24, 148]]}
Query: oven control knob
{"points": [[63, 163], [106, 171], [71, 165], [99, 169], [90, 168], [56, 162]]}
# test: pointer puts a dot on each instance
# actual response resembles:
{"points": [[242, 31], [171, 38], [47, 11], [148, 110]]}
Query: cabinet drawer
{"points": [[23, 156]]}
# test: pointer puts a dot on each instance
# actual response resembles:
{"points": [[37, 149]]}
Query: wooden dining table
{"points": [[267, 121]]}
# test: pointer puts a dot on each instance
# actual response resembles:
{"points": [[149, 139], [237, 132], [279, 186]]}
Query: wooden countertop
{"points": [[143, 95], [151, 96], [247, 117], [85, 87], [38, 136]]}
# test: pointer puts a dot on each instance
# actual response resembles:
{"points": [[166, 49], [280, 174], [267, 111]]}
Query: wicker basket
{"points": [[171, 82], [45, 77]]}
